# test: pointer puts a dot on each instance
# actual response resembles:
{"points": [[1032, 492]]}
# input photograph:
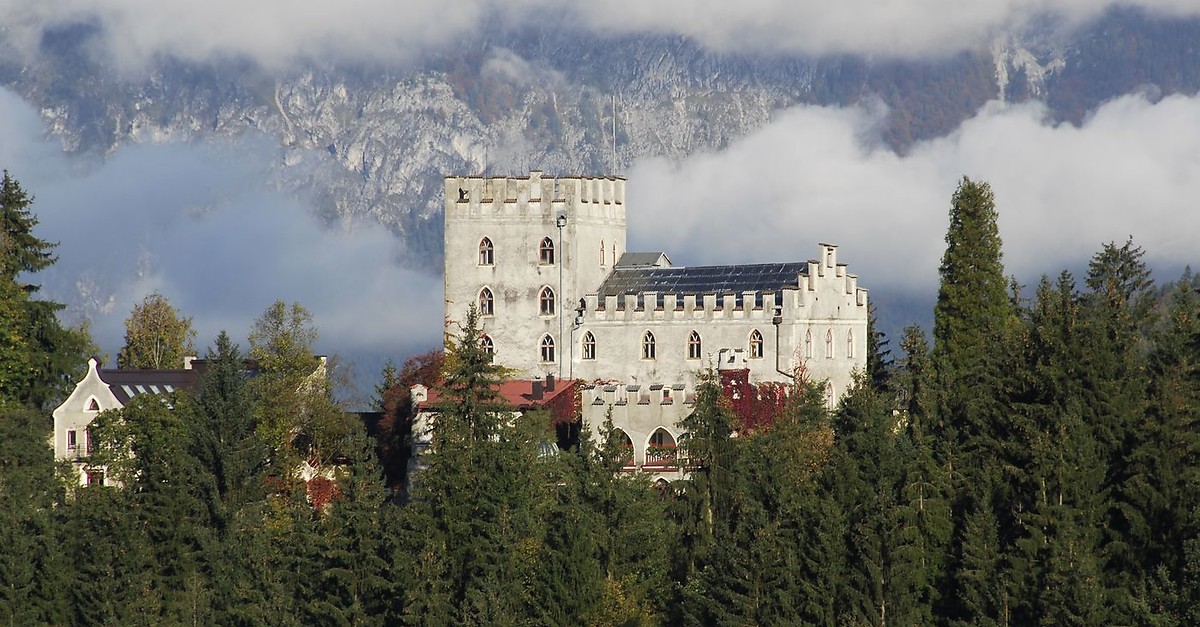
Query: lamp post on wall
{"points": [[560, 222]]}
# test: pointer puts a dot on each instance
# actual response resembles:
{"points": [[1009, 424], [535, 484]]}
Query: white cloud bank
{"points": [[275, 32], [199, 224], [1061, 191]]}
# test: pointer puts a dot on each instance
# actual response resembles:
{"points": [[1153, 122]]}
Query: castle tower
{"points": [[507, 254]]}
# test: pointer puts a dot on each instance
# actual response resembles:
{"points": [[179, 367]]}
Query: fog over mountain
{"points": [[230, 155]]}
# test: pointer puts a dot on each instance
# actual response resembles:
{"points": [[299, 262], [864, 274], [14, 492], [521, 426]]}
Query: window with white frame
{"points": [[546, 301], [589, 345], [694, 349], [486, 252], [756, 345], [486, 302], [546, 252], [648, 345], [547, 349]]}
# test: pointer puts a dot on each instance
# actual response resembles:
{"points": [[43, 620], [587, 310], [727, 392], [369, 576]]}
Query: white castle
{"points": [[544, 261]]}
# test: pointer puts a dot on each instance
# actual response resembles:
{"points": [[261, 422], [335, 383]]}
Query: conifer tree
{"points": [[38, 356], [33, 571], [475, 520]]}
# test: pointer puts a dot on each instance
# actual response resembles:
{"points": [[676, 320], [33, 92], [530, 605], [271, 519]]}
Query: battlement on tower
{"points": [[534, 195]]}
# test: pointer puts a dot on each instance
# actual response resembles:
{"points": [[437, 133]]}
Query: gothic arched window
{"points": [[589, 345], [546, 301], [756, 345], [547, 348], [546, 252], [486, 345], [486, 252], [648, 345], [694, 351], [486, 302], [601, 253], [850, 343], [808, 351], [829, 344]]}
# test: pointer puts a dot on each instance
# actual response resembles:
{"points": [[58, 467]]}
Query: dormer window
{"points": [[486, 253], [546, 252]]}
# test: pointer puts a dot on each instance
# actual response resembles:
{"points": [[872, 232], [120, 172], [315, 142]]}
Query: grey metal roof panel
{"points": [[642, 259], [703, 279]]}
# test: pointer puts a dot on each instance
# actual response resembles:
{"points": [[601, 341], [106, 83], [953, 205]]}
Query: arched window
{"points": [[808, 344], [626, 446], [546, 252], [486, 302], [614, 254], [850, 343], [662, 439], [756, 345], [547, 349], [694, 350], [546, 301], [830, 397], [601, 253], [486, 253], [589, 345], [486, 345], [648, 345], [829, 344], [93, 405]]}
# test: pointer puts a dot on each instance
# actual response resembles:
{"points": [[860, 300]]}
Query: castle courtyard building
{"points": [[544, 261]]}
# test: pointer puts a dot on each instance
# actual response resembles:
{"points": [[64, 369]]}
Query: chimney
{"points": [[537, 390], [550, 382]]}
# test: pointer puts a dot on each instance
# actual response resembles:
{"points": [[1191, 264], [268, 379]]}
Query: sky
{"points": [[202, 224]]}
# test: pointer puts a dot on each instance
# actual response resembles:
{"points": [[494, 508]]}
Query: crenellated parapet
{"points": [[814, 288], [528, 196]]}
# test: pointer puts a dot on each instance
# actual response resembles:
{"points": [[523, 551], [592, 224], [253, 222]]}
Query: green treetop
{"points": [[156, 336]]}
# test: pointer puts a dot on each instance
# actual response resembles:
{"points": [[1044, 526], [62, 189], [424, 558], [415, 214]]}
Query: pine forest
{"points": [[1033, 458]]}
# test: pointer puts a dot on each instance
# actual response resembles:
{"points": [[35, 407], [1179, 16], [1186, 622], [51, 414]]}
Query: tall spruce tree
{"points": [[973, 320], [38, 356], [475, 522]]}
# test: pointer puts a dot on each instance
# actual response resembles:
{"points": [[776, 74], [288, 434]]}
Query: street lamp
{"points": [[560, 222]]}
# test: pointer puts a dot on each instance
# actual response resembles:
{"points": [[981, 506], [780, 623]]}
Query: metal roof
{"points": [[760, 277], [629, 260]]}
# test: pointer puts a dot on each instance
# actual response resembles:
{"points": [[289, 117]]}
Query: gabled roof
{"points": [[644, 260], [761, 277], [126, 384], [517, 394]]}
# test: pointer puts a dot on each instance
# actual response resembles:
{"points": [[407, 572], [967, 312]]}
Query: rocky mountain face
{"points": [[374, 142]]}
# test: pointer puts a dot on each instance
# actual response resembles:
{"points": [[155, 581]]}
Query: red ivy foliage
{"points": [[755, 406], [322, 492]]}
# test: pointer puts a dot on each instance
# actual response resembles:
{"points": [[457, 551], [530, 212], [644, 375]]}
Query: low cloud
{"points": [[809, 176], [199, 224], [275, 32]]}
